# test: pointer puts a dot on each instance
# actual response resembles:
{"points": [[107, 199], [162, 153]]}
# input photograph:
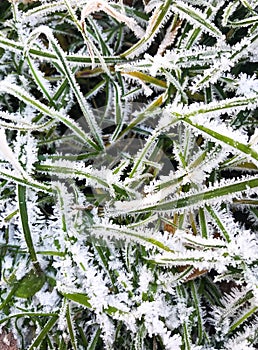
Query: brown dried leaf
{"points": [[7, 341]]}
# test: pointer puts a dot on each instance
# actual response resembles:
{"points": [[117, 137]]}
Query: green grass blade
{"points": [[25, 225], [71, 172], [206, 196], [86, 110], [78, 298], [39, 106], [154, 25], [25, 182], [122, 233], [197, 18], [244, 22], [41, 336], [203, 223], [243, 318], [197, 310], [225, 140], [74, 59], [218, 222], [92, 345], [71, 328], [38, 79]]}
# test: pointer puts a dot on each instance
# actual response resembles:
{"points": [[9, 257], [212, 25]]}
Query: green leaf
{"points": [[198, 310], [71, 328], [5, 174], [74, 59], [218, 222], [125, 233], [244, 22], [223, 139]]}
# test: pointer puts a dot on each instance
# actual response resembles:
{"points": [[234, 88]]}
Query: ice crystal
{"points": [[247, 86]]}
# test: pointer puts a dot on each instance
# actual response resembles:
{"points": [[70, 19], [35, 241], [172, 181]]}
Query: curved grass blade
{"points": [[196, 17], [125, 234]]}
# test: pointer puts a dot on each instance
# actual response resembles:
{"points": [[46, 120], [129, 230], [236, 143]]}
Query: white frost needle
{"points": [[100, 5], [8, 153]]}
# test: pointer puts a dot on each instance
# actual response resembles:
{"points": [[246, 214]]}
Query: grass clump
{"points": [[128, 174]]}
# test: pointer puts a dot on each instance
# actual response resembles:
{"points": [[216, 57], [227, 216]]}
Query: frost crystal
{"points": [[247, 86]]}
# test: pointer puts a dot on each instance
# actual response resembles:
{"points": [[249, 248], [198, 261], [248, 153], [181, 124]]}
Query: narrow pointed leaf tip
{"points": [[9, 155], [101, 5]]}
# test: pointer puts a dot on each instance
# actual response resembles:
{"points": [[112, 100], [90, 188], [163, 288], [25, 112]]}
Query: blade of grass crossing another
{"points": [[196, 17], [89, 116], [158, 19], [206, 196], [22, 95], [44, 332]]}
